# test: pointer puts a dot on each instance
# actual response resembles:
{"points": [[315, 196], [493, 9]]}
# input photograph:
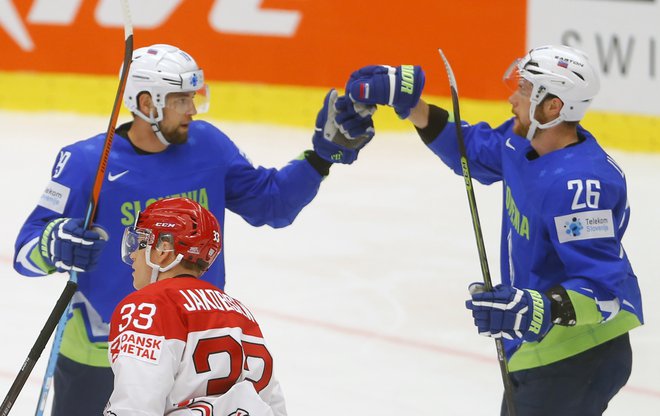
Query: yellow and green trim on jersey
{"points": [[562, 342]]}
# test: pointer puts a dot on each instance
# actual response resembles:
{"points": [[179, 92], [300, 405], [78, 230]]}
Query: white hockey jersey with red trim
{"points": [[182, 339]]}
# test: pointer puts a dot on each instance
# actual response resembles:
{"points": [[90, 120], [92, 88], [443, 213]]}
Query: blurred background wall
{"points": [[272, 61]]}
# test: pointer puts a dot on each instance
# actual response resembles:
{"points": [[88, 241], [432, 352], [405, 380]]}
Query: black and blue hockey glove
{"points": [[342, 129], [399, 87], [66, 246], [509, 312]]}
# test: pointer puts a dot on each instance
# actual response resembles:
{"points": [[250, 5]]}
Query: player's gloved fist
{"points": [[509, 312], [399, 87], [66, 245], [342, 129], [354, 121]]}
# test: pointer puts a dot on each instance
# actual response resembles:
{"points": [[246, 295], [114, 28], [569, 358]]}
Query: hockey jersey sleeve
{"points": [[65, 195], [586, 217], [483, 146], [267, 195]]}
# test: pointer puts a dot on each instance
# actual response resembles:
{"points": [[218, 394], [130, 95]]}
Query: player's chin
{"points": [[182, 132], [180, 136], [135, 284], [139, 283], [518, 128]]}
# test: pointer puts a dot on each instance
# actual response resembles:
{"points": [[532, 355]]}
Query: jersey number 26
{"points": [[590, 188]]}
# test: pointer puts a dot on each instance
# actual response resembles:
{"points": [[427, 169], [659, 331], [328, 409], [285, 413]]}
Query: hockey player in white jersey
{"points": [[180, 345], [568, 296]]}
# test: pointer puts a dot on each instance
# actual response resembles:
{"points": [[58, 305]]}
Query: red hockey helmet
{"points": [[191, 229]]}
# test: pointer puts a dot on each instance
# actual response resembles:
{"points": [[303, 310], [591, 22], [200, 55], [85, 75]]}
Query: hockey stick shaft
{"points": [[476, 225], [38, 347], [93, 201]]}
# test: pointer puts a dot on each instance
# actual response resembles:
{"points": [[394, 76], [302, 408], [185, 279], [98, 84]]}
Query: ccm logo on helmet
{"points": [[165, 225]]}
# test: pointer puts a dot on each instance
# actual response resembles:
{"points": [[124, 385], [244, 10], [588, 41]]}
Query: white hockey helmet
{"points": [[561, 71], [159, 70]]}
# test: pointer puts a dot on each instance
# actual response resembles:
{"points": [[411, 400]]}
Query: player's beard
{"points": [[522, 129], [176, 135], [519, 128]]}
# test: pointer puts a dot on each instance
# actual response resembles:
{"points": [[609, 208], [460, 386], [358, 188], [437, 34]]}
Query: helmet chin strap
{"points": [[534, 125], [156, 128], [157, 269], [153, 121]]}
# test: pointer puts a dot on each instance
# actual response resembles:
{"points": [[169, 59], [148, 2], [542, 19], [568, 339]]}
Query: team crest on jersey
{"points": [[54, 197], [143, 347], [585, 225]]}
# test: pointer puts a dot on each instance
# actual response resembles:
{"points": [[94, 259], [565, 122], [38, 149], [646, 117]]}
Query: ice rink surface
{"points": [[361, 300]]}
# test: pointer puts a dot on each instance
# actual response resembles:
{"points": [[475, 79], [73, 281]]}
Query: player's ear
{"points": [[163, 255], [165, 243], [553, 106], [145, 104]]}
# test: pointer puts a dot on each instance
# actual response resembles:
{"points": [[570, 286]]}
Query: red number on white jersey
{"points": [[144, 319], [255, 353]]}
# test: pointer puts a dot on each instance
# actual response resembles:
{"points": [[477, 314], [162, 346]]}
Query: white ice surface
{"points": [[362, 298]]}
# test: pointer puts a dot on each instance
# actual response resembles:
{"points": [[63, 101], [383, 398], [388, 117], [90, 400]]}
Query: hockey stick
{"points": [[501, 357], [63, 308], [39, 345]]}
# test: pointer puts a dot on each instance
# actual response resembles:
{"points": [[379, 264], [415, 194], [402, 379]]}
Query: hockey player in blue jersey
{"points": [[568, 296], [161, 153]]}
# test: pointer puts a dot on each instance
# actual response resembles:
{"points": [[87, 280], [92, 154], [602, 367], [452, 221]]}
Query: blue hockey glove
{"points": [[509, 312], [67, 246], [354, 121], [342, 129], [399, 87]]}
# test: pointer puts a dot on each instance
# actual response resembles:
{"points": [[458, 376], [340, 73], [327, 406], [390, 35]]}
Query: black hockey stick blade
{"points": [[501, 357]]}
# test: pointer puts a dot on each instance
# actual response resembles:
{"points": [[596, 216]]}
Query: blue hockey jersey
{"points": [[564, 216], [209, 169]]}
